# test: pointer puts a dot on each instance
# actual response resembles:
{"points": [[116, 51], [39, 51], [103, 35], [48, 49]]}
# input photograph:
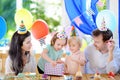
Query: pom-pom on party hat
{"points": [[22, 28]]}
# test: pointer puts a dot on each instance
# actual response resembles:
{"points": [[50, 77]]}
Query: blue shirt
{"points": [[97, 62], [52, 53]]}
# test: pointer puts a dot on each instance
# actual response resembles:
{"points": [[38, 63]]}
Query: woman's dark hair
{"points": [[15, 51], [106, 34]]}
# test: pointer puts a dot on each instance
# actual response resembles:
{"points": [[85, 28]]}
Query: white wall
{"points": [[114, 8]]}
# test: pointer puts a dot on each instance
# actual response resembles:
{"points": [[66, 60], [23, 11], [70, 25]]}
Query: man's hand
{"points": [[111, 45]]}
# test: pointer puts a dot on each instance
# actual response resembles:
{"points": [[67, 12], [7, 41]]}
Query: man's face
{"points": [[98, 42]]}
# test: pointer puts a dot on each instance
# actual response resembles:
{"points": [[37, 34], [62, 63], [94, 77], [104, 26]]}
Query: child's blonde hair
{"points": [[58, 36], [75, 38]]}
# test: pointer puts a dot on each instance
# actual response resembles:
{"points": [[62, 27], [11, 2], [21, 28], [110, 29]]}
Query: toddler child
{"points": [[76, 59], [53, 52]]}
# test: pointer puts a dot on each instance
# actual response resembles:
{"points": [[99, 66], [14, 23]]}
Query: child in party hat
{"points": [[52, 53], [76, 57]]}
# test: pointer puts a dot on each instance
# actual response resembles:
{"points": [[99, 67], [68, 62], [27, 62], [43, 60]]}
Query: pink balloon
{"points": [[68, 31]]}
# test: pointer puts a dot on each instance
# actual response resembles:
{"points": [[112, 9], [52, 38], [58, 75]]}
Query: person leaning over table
{"points": [[52, 53], [20, 60], [102, 56]]}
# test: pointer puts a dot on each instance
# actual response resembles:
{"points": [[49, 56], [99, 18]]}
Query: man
{"points": [[102, 56]]}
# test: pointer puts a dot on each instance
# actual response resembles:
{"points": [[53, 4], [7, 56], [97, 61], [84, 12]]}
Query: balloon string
{"points": [[42, 42]]}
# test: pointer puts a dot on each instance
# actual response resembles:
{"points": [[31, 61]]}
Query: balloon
{"points": [[109, 18], [84, 45], [39, 29], [3, 27], [68, 30], [24, 15]]}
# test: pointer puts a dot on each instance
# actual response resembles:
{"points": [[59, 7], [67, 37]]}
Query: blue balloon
{"points": [[109, 18], [3, 27]]}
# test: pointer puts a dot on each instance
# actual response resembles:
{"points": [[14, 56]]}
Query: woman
{"points": [[20, 60]]}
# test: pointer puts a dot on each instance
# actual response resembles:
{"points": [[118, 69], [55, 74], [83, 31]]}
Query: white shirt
{"points": [[29, 67], [97, 62]]}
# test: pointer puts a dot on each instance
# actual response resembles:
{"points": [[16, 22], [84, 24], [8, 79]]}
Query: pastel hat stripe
{"points": [[22, 28]]}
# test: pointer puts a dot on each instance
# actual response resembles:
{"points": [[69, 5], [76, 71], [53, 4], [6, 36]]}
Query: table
{"points": [[88, 77], [85, 77]]}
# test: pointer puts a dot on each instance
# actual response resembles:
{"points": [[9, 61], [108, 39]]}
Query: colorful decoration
{"points": [[24, 15], [3, 27], [61, 35], [4, 42], [39, 29], [103, 26], [109, 18], [73, 31], [111, 74], [82, 17], [68, 30], [100, 3], [22, 28]]}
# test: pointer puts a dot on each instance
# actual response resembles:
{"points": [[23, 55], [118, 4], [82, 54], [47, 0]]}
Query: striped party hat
{"points": [[73, 32], [103, 25], [22, 28]]}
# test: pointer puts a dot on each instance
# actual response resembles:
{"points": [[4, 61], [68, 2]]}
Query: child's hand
{"points": [[82, 63], [59, 61], [65, 70], [54, 63]]}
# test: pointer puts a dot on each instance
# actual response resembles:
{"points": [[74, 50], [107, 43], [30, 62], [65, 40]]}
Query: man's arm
{"points": [[113, 63]]}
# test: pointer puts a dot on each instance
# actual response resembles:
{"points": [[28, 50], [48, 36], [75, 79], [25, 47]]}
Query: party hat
{"points": [[61, 35], [103, 25], [73, 32], [22, 28]]}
